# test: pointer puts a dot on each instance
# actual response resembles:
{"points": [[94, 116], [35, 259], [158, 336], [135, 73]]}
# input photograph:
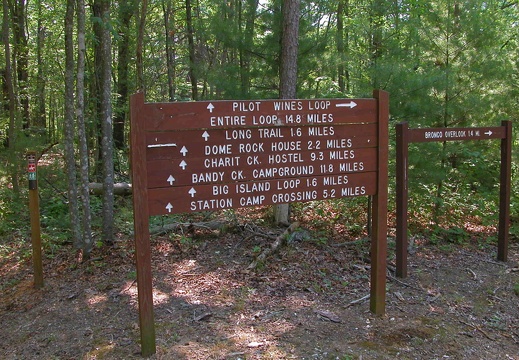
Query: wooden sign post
{"points": [[34, 213], [214, 155], [404, 136]]}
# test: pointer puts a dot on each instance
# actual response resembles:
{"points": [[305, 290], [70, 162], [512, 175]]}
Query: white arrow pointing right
{"points": [[489, 132], [351, 104]]}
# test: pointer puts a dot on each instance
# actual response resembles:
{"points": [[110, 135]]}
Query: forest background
{"points": [[69, 69]]}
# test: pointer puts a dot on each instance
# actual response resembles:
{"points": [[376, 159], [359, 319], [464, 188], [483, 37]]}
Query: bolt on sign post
{"points": [[34, 211], [214, 155], [404, 136]]}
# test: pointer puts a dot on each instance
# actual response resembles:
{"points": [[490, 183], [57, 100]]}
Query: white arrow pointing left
{"points": [[169, 207], [192, 192], [161, 145]]}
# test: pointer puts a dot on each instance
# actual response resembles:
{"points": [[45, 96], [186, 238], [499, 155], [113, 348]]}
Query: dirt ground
{"points": [[308, 301]]}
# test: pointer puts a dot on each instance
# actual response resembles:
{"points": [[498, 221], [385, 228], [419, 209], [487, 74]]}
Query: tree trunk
{"points": [[288, 74], [140, 40], [13, 130], [81, 128], [39, 118], [169, 29], [191, 44], [248, 38], [342, 47], [106, 124], [21, 54], [126, 11], [70, 163]]}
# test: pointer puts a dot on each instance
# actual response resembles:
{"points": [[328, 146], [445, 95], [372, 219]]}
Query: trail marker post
{"points": [[214, 155], [404, 136], [34, 214]]}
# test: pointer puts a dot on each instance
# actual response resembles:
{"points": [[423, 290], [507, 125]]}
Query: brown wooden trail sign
{"points": [[213, 155], [404, 136]]}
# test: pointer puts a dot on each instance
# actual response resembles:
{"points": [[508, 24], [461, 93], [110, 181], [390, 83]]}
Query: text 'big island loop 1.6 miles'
{"points": [[205, 156]]}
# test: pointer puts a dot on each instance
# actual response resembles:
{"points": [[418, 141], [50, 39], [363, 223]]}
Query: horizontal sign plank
{"points": [[453, 134], [258, 113], [163, 201], [190, 171], [197, 143]]}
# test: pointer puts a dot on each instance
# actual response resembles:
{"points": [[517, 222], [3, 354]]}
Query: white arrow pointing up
{"points": [[183, 151], [210, 107], [169, 207], [205, 135], [489, 132], [192, 192], [351, 104], [183, 165], [171, 179]]}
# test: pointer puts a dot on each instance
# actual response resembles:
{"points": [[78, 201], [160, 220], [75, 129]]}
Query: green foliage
{"points": [[444, 63]]}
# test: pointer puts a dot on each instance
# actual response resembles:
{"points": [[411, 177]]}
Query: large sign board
{"points": [[404, 136], [214, 155]]}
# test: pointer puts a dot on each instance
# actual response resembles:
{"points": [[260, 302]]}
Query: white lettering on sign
{"points": [[455, 134], [319, 104], [212, 204], [353, 191], [270, 133], [238, 134], [244, 188], [288, 105], [266, 120], [321, 131], [283, 172], [335, 180], [286, 146], [222, 162], [237, 175], [250, 148], [253, 160], [319, 118], [433, 134], [287, 184], [207, 177], [296, 196], [252, 200], [220, 190], [338, 143], [351, 167], [246, 106], [227, 120], [285, 158], [342, 154], [218, 149]]}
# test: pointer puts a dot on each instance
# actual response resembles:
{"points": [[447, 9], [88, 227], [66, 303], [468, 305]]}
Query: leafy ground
{"points": [[308, 301]]}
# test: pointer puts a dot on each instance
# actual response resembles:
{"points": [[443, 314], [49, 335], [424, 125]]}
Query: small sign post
{"points": [[207, 156], [404, 136], [34, 211]]}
